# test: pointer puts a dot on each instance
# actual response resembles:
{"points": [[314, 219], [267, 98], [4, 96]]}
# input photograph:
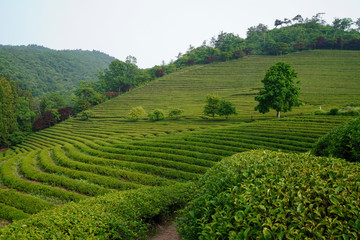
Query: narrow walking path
{"points": [[166, 231]]}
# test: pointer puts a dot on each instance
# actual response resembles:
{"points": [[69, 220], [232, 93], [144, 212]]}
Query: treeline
{"points": [[20, 112], [16, 113], [43, 70], [289, 35], [117, 78]]}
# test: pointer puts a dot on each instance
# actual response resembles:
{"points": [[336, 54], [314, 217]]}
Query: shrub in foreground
{"points": [[120, 215], [342, 142], [272, 195]]}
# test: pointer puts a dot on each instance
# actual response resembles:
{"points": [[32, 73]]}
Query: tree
{"points": [[278, 23], [85, 115], [212, 105], [8, 113], [280, 92], [175, 113], [65, 112], [136, 113], [357, 23], [119, 75], [226, 109], [343, 24], [25, 116], [86, 96], [157, 115], [298, 18]]}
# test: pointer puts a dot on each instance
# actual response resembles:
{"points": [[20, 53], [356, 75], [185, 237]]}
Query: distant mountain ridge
{"points": [[45, 70]]}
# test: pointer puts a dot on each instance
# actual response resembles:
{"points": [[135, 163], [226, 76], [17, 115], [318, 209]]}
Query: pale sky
{"points": [[150, 30]]}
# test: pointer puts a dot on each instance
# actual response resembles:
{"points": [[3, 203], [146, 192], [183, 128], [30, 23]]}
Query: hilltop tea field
{"points": [[327, 79], [77, 173]]}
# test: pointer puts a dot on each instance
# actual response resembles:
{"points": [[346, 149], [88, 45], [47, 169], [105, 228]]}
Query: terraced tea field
{"points": [[77, 160]]}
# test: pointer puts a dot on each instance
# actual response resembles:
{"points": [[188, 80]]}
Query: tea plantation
{"points": [[109, 177]]}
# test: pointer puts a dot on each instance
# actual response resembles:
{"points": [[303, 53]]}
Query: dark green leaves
{"points": [[272, 195], [279, 93]]}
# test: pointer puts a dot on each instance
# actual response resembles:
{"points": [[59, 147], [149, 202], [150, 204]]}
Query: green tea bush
{"points": [[342, 142], [120, 215], [24, 202], [136, 113], [117, 175], [11, 179], [10, 213], [273, 195], [160, 168], [28, 169], [333, 111]]}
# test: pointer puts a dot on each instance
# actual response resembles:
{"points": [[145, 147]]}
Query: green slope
{"points": [[328, 78], [44, 70]]}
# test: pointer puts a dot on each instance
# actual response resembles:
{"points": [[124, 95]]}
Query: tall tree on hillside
{"points": [[357, 23], [259, 30], [341, 24], [280, 92], [278, 23], [86, 96], [119, 75], [298, 18], [8, 113]]}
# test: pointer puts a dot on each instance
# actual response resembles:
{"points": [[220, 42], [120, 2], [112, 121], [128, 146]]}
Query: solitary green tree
{"points": [[280, 92], [212, 105], [157, 115]]}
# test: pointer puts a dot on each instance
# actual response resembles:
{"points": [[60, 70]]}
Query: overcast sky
{"points": [[150, 30]]}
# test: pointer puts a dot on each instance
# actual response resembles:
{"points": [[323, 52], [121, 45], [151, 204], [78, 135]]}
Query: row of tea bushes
{"points": [[23, 202], [11, 179], [120, 215], [28, 169], [47, 164], [79, 154]]}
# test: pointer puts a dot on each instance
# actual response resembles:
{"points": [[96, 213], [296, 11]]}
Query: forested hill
{"points": [[45, 70]]}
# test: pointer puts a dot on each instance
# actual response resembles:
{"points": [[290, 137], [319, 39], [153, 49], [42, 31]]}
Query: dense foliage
{"points": [[43, 70], [288, 36], [279, 92], [120, 215], [156, 115], [342, 142], [16, 111], [271, 195]]}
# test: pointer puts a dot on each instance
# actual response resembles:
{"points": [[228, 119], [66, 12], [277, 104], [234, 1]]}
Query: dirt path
{"points": [[166, 231]]}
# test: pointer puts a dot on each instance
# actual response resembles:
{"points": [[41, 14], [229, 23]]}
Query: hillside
{"points": [[94, 163], [329, 78], [44, 70]]}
